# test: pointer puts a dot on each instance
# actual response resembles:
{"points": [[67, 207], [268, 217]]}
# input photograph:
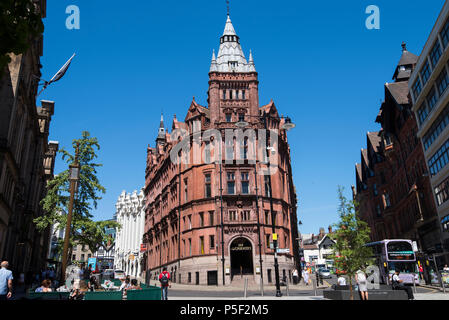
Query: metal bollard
{"points": [[414, 283], [261, 287], [287, 282], [246, 285], [314, 286]]}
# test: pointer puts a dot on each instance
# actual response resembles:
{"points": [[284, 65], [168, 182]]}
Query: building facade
{"points": [[210, 221], [131, 216], [26, 158], [317, 249], [428, 84], [392, 188]]}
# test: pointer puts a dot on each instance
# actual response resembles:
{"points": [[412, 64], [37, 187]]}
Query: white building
{"points": [[131, 216], [317, 249]]}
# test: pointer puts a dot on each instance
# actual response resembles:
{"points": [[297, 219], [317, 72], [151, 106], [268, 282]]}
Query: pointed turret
{"points": [[213, 65], [230, 56], [161, 133], [251, 66], [406, 65]]}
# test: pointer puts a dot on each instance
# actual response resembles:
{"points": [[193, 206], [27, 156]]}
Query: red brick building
{"points": [[392, 184], [187, 203]]}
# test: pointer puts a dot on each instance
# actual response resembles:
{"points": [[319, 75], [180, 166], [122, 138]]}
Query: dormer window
{"points": [[233, 64]]}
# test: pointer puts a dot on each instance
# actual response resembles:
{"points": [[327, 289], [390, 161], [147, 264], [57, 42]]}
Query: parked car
{"points": [[119, 274], [108, 274], [324, 273]]}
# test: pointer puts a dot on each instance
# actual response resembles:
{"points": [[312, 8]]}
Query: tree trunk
{"points": [[351, 293]]}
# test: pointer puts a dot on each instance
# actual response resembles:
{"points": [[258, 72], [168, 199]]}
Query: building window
{"points": [[82, 257], [437, 127], [231, 91], [229, 150], [185, 190], [431, 100], [201, 214], [267, 186], [202, 244], [211, 218], [245, 183], [267, 217], [207, 186], [232, 215], [267, 240], [378, 211], [212, 242], [245, 215], [439, 160], [189, 277], [231, 183], [228, 117], [241, 117], [442, 192], [190, 247], [425, 72], [224, 94], [387, 200], [243, 95], [442, 82], [416, 88], [445, 34], [190, 221], [435, 54], [74, 257], [387, 139], [207, 152], [423, 112]]}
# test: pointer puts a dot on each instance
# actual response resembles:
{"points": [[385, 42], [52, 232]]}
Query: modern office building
{"points": [[428, 87], [130, 215]]}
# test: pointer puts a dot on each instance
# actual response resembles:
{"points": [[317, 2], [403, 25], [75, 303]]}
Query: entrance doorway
{"points": [[241, 257]]}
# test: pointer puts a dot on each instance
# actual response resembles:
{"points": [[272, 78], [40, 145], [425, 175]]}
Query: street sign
{"points": [[287, 250]]}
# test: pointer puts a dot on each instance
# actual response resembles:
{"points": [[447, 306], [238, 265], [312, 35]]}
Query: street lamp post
{"points": [[74, 172]]}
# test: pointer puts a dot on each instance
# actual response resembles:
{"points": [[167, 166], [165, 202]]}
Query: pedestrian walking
{"points": [[5, 281], [446, 268], [295, 276], [164, 279], [362, 283], [397, 284], [305, 276]]}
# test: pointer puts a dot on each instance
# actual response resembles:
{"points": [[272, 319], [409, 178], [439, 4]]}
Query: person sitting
{"points": [[134, 285], [397, 284], [45, 286], [341, 280], [78, 291], [92, 285]]}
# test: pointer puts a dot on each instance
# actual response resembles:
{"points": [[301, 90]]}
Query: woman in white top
{"points": [[360, 278]]}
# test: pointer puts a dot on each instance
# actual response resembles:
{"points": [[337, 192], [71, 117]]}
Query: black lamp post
{"points": [[74, 174]]}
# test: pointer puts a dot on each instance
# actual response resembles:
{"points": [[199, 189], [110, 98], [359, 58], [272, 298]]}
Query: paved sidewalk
{"points": [[190, 287]]}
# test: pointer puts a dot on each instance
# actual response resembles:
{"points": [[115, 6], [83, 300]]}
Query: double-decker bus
{"points": [[395, 254]]}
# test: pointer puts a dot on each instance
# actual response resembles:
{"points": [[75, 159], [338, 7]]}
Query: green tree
{"points": [[20, 23], [84, 230], [351, 234]]}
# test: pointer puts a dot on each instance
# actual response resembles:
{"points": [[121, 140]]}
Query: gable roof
{"points": [[399, 92]]}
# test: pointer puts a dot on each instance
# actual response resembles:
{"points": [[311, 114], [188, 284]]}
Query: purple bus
{"points": [[395, 254]]}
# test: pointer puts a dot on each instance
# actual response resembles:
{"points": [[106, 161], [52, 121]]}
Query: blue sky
{"points": [[316, 60]]}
